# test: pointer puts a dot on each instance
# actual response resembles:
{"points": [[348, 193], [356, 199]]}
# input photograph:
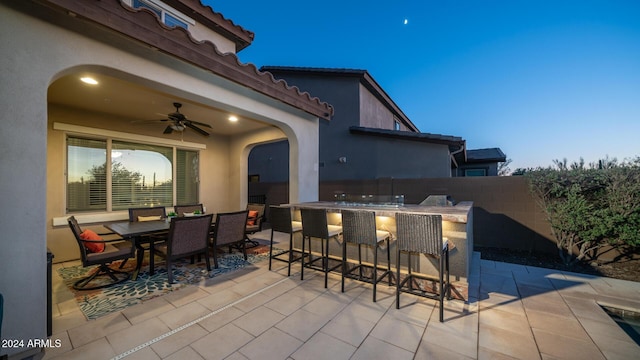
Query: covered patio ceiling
{"points": [[143, 106]]}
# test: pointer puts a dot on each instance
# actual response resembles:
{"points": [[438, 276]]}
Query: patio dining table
{"points": [[133, 231]]}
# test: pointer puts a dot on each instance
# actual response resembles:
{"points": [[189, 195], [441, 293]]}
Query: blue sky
{"points": [[542, 80]]}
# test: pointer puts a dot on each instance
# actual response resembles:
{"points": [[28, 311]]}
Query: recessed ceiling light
{"points": [[233, 118], [89, 80]]}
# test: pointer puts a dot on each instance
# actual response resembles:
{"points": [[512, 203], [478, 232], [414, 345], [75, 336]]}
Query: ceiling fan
{"points": [[180, 122]]}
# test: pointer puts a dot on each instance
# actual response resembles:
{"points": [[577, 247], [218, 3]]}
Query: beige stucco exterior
{"points": [[32, 153]]}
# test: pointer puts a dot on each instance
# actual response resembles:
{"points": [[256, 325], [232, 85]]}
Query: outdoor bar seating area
{"points": [[380, 235]]}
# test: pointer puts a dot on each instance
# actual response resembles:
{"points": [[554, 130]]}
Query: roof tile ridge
{"points": [[218, 14], [166, 27], [282, 83], [233, 57]]}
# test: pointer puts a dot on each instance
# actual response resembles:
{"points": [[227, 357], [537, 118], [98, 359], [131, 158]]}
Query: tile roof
{"points": [[365, 79], [486, 155], [144, 26], [205, 15]]}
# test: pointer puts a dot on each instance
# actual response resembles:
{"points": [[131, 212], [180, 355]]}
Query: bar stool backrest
{"points": [[280, 218], [314, 223], [359, 227], [419, 233]]}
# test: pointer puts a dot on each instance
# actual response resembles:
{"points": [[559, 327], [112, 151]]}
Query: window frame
{"points": [[397, 126], [108, 136]]}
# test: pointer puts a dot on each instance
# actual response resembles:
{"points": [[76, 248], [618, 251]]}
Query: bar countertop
{"points": [[458, 213]]}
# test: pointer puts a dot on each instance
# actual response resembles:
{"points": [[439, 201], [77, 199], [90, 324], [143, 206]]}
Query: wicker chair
{"points": [[314, 225], [422, 234], [229, 231], [188, 236], [180, 210], [254, 225], [147, 214], [280, 220], [359, 227], [114, 249]]}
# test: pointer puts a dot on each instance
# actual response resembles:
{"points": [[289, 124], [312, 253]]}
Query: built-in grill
{"points": [[438, 200]]}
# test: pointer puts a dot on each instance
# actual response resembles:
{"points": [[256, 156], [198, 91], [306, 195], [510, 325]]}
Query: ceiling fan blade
{"points": [[147, 122], [196, 129], [199, 123], [168, 130]]}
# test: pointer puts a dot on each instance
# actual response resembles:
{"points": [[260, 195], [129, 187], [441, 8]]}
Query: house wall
{"points": [[374, 114], [270, 161], [42, 52], [201, 33], [367, 157], [343, 94]]}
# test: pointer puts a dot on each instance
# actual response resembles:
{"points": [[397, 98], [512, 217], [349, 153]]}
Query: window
{"points": [[475, 172], [396, 123], [166, 15], [133, 175]]}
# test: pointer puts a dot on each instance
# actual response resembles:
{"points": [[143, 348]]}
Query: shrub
{"points": [[589, 207]]}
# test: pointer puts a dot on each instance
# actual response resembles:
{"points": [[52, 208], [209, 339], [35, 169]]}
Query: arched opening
{"points": [[269, 173]]}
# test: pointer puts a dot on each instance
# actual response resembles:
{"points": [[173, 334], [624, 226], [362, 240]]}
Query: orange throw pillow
{"points": [[253, 215], [92, 246]]}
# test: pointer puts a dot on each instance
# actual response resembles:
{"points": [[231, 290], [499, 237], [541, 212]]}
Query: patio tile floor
{"points": [[517, 312]]}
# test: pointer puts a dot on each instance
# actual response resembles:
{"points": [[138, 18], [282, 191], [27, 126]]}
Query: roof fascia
{"points": [[144, 26], [452, 141], [369, 82]]}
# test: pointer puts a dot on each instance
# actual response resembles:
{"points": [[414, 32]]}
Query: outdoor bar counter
{"points": [[457, 226]]}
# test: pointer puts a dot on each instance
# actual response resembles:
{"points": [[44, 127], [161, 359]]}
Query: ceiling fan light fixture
{"points": [[177, 127]]}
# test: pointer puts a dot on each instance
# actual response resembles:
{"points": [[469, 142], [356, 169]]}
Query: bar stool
{"points": [[280, 220], [422, 234], [359, 227], [314, 225]]}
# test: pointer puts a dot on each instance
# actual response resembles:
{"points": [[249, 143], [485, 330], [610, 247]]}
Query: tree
{"points": [[503, 168]]}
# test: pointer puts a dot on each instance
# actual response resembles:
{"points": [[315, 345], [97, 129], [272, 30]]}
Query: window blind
{"points": [[186, 177], [141, 175], [86, 174]]}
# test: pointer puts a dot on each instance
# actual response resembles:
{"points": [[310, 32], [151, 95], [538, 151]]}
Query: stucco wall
{"points": [[505, 214]]}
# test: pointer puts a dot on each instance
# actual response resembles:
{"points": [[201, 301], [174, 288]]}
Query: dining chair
{"points": [[146, 242], [180, 210], [422, 234], [359, 228], [229, 231], [188, 236], [255, 219], [315, 225], [281, 221], [94, 250], [147, 213]]}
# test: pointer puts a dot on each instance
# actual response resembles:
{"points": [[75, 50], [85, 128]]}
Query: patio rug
{"points": [[100, 302]]}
